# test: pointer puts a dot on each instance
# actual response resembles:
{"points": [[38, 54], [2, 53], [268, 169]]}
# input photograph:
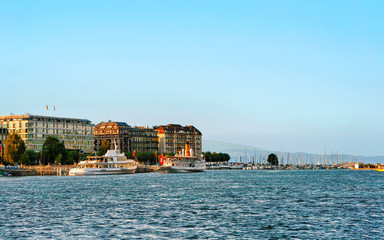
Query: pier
{"points": [[37, 170]]}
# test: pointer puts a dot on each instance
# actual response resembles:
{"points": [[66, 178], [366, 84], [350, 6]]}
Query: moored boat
{"points": [[113, 162], [183, 163]]}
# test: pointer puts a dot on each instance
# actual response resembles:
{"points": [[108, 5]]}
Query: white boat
{"points": [[113, 162], [183, 163], [237, 166], [224, 166]]}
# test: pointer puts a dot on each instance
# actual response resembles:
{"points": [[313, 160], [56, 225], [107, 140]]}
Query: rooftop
{"points": [[27, 116]]}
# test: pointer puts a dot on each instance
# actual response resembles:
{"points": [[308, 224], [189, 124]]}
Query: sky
{"points": [[293, 75]]}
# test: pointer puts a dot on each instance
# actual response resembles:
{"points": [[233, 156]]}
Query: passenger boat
{"points": [[183, 163], [113, 162], [380, 169]]}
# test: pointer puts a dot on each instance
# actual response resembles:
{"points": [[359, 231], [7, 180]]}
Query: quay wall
{"points": [[61, 170], [55, 170]]}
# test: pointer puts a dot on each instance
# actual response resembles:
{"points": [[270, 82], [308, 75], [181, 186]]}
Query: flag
{"points": [[161, 161], [133, 154], [54, 108], [46, 106]]}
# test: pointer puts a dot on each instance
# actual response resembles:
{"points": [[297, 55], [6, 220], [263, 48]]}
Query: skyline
{"points": [[302, 76]]}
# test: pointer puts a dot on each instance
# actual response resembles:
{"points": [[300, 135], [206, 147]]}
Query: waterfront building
{"points": [[172, 138], [117, 133], [144, 139], [3, 134], [76, 133], [3, 137]]}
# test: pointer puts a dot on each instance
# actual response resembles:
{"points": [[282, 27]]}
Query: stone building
{"points": [[172, 138], [117, 133], [76, 133], [144, 140]]}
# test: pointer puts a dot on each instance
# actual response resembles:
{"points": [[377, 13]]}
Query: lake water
{"points": [[310, 204]]}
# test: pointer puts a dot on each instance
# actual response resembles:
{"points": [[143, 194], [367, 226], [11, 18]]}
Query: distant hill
{"points": [[247, 153], [238, 152], [216, 146]]}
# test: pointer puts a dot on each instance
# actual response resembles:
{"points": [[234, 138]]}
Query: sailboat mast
{"points": [[281, 155]]}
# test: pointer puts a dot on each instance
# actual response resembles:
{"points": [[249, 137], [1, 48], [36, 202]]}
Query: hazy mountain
{"points": [[216, 146], [247, 153]]}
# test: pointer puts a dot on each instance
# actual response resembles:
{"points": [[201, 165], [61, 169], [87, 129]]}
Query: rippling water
{"points": [[213, 204]]}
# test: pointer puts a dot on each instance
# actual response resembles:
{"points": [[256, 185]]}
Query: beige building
{"points": [[76, 133], [172, 138]]}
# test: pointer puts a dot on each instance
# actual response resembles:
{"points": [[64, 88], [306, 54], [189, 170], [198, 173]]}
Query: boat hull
{"points": [[170, 169], [97, 171]]}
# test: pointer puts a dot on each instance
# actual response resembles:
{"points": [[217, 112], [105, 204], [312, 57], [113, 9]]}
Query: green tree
{"points": [[52, 148], [147, 158], [25, 160], [129, 155], [14, 149], [216, 157], [208, 157], [33, 157], [103, 148], [272, 159], [143, 157], [59, 159], [73, 157]]}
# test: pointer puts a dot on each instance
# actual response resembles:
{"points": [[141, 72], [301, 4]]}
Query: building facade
{"points": [[3, 137], [3, 134], [76, 133], [117, 133], [144, 140], [172, 138]]}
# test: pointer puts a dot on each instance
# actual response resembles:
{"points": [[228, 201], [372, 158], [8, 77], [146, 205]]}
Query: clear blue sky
{"points": [[302, 75]]}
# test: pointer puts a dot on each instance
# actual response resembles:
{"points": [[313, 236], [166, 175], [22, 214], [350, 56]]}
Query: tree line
{"points": [[144, 157], [216, 157], [53, 152]]}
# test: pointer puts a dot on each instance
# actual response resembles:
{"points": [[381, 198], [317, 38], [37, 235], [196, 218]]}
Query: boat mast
{"points": [[194, 136], [281, 155]]}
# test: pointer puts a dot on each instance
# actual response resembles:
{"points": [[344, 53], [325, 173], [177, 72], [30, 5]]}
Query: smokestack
{"points": [[187, 152]]}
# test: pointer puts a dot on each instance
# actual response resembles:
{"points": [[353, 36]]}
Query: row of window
{"points": [[66, 142], [60, 137], [56, 131], [49, 125]]}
